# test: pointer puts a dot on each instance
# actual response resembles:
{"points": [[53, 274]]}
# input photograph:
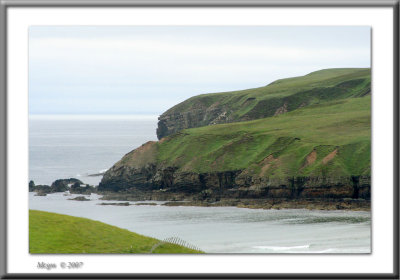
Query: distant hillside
{"points": [[279, 97]]}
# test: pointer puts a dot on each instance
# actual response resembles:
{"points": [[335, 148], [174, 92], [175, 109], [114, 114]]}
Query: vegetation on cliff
{"points": [[51, 233], [329, 140]]}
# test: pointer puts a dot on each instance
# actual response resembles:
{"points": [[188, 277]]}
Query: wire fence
{"points": [[177, 241]]}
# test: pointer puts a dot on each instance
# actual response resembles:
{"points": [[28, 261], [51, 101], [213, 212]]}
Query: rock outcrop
{"points": [[175, 121], [61, 185], [232, 184]]}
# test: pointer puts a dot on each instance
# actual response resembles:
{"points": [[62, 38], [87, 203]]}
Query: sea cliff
{"points": [[304, 139]]}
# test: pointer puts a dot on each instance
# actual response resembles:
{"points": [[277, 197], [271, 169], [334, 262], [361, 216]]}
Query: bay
{"points": [[77, 146]]}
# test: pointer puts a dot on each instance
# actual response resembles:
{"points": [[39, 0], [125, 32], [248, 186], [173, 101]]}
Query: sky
{"points": [[144, 70]]}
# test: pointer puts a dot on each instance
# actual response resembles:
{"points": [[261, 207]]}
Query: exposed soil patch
{"points": [[266, 164], [310, 159], [281, 110], [329, 157]]}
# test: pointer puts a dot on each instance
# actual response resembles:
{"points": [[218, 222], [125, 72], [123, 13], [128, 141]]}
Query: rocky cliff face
{"points": [[175, 121], [233, 184], [139, 171]]}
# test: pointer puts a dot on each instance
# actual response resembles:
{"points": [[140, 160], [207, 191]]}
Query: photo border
{"points": [[5, 4]]}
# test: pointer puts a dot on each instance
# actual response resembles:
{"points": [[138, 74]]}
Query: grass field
{"points": [[51, 233]]}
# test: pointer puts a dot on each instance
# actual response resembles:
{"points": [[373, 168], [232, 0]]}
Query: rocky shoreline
{"points": [[235, 188], [182, 199], [277, 204], [338, 204], [202, 199]]}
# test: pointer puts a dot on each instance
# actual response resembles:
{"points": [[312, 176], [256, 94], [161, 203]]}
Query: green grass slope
{"points": [[340, 78], [51, 233], [278, 97], [332, 138]]}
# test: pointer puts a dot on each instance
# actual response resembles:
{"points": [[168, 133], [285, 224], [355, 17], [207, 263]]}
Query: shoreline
{"points": [[283, 205], [250, 203], [266, 204]]}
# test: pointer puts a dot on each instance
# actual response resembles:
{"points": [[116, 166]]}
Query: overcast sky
{"points": [[148, 69]]}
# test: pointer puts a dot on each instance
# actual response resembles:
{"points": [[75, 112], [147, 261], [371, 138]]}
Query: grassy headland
{"points": [[51, 233], [298, 139]]}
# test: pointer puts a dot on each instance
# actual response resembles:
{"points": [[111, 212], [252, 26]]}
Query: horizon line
{"points": [[90, 116]]}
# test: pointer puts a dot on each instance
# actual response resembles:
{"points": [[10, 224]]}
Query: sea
{"points": [[81, 146], [77, 146]]}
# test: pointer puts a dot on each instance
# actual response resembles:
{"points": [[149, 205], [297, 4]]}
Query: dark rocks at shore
{"points": [[62, 185], [31, 186], [277, 204], [115, 204], [146, 204], [175, 199], [72, 185], [78, 188], [40, 190], [40, 193], [79, 198], [139, 195]]}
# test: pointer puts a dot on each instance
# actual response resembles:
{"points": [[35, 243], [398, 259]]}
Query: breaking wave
{"points": [[282, 248]]}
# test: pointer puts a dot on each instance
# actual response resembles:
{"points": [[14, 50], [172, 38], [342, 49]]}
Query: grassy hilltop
{"points": [[51, 233], [279, 97]]}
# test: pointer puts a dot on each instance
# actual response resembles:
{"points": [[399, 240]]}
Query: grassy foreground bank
{"points": [[51, 233]]}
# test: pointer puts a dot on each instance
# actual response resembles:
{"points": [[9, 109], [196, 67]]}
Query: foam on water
{"points": [[283, 248]]}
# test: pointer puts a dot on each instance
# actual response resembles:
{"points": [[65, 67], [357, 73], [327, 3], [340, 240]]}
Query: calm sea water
{"points": [[64, 148]]}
